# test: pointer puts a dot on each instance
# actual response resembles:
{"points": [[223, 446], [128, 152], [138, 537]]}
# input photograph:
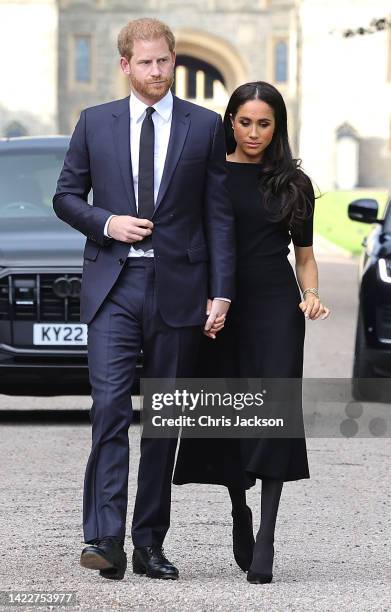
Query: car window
{"points": [[28, 182]]}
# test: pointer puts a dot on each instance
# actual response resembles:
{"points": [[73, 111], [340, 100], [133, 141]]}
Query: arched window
{"points": [[15, 129], [196, 79], [281, 62]]}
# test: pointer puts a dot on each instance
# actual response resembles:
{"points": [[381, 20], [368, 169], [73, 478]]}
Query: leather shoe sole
{"points": [[96, 561]]}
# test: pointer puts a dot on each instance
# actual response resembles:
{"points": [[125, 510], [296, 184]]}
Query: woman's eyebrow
{"points": [[249, 119]]}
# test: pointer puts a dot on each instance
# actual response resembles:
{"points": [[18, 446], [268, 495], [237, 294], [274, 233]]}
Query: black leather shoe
{"points": [[243, 538], [107, 556], [151, 561]]}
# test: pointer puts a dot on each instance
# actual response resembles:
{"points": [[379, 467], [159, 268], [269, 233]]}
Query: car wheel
{"points": [[362, 368]]}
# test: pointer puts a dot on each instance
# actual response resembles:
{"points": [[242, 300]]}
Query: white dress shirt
{"points": [[161, 118], [162, 123]]}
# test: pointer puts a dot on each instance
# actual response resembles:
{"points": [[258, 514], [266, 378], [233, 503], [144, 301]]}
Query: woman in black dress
{"points": [[263, 337]]}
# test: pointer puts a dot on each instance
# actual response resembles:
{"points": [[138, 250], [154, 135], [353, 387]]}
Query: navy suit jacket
{"points": [[193, 235]]}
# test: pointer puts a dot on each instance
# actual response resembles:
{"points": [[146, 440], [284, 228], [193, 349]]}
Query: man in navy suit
{"points": [[158, 268]]}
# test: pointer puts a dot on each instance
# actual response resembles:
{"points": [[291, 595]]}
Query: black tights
{"points": [[238, 500], [263, 556], [270, 499]]}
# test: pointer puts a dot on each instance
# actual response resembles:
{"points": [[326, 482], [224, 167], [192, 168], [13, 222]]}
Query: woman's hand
{"points": [[313, 308], [216, 327], [218, 321]]}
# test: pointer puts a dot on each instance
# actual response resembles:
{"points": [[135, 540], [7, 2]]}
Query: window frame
{"points": [[73, 83], [276, 42]]}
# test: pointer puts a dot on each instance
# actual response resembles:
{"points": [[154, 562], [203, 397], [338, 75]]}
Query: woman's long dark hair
{"points": [[287, 191]]}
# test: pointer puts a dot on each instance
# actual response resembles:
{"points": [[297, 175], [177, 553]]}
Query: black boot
{"points": [[261, 569], [242, 529]]}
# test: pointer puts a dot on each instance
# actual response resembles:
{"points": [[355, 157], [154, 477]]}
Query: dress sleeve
{"points": [[303, 236]]}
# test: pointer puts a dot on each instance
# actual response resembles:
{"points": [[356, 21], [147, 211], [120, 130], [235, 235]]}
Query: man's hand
{"points": [[216, 311], [129, 229]]}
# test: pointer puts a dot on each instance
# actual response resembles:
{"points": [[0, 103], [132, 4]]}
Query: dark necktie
{"points": [[146, 204]]}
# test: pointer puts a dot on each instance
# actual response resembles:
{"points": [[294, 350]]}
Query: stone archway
{"points": [[200, 82], [212, 50], [213, 55], [216, 51]]}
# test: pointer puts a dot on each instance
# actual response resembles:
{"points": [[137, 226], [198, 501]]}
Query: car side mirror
{"points": [[364, 210]]}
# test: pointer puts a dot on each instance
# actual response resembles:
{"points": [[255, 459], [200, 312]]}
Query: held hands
{"points": [[129, 229], [216, 311], [313, 308]]}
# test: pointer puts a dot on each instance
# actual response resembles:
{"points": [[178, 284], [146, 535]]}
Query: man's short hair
{"points": [[143, 29]]}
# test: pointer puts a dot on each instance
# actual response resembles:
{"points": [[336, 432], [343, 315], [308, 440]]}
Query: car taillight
{"points": [[385, 270]]}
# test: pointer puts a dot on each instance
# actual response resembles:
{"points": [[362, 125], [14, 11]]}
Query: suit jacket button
{"points": [[121, 261]]}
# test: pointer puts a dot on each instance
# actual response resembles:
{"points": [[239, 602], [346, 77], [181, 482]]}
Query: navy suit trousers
{"points": [[127, 321]]}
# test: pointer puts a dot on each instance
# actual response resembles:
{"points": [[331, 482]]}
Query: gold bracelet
{"points": [[311, 290]]}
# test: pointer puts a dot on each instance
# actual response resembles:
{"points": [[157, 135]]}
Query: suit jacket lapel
{"points": [[179, 128], [121, 132]]}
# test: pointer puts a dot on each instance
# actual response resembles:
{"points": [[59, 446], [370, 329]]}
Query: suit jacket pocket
{"points": [[198, 253], [91, 250]]}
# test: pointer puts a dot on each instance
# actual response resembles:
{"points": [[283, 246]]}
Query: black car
{"points": [[372, 358], [42, 342]]}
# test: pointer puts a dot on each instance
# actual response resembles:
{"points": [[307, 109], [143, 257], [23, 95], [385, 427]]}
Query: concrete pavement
{"points": [[332, 549], [332, 537]]}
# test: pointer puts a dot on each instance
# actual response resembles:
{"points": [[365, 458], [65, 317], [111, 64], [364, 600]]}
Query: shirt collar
{"points": [[163, 107]]}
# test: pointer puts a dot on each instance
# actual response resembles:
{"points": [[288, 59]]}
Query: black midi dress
{"points": [[263, 338]]}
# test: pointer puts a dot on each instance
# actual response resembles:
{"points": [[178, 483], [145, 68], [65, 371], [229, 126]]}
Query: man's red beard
{"points": [[154, 91]]}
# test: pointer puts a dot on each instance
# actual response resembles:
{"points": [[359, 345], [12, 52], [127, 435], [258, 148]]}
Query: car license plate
{"points": [[60, 334]]}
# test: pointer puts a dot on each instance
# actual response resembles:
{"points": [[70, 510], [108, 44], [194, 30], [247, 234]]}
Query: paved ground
{"points": [[332, 550]]}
